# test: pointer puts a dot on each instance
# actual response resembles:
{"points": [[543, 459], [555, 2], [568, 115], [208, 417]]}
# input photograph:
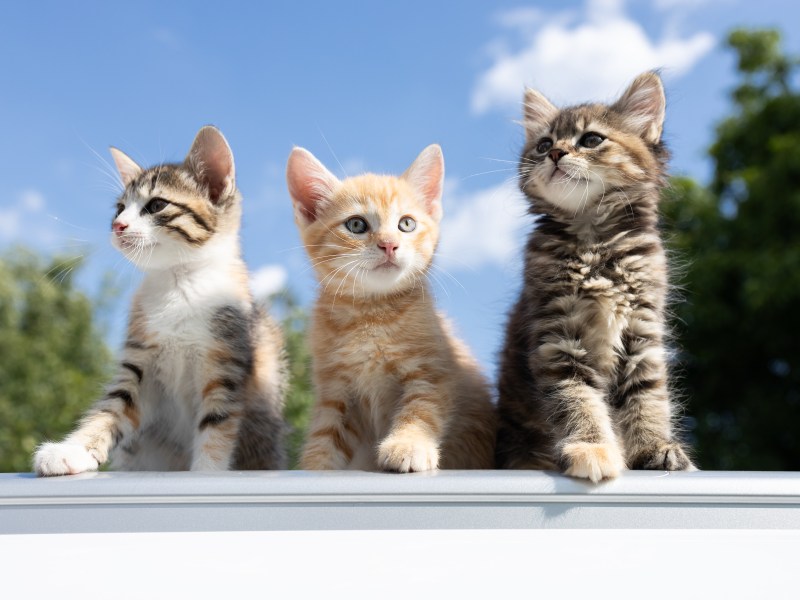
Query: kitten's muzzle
{"points": [[556, 154], [389, 247]]}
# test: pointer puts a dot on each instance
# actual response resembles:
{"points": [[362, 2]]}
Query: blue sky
{"points": [[363, 85]]}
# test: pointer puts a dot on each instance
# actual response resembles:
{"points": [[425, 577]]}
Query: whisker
{"points": [[332, 152]]}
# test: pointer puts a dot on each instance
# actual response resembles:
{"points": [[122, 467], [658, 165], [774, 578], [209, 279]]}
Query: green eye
{"points": [[591, 140], [407, 224], [544, 145], [155, 205], [356, 225]]}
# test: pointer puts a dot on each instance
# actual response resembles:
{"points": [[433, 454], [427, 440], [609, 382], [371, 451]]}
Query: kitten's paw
{"points": [[666, 456], [63, 459], [592, 461], [407, 453]]}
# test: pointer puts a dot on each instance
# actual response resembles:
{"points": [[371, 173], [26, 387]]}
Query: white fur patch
{"points": [[63, 459]]}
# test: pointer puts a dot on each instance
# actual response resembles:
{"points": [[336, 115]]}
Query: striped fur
{"points": [[583, 378], [201, 379], [396, 391]]}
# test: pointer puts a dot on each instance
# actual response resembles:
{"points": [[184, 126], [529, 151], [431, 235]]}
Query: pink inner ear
{"points": [[309, 181], [537, 109], [643, 105], [127, 167], [426, 175], [212, 161]]}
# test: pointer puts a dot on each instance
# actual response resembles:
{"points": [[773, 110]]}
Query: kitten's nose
{"points": [[118, 227], [388, 246], [556, 154]]}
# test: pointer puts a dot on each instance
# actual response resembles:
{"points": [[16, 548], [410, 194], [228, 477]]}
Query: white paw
{"points": [[592, 461], [63, 459], [406, 453]]}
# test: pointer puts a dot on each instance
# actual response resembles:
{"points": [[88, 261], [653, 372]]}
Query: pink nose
{"points": [[556, 154], [118, 227], [388, 246]]}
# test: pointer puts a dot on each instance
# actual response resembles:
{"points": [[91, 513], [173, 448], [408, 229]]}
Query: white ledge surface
{"points": [[308, 501]]}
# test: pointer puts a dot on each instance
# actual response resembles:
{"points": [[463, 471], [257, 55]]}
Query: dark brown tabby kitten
{"points": [[583, 378]]}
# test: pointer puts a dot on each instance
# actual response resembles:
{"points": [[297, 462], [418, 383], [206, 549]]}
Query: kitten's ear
{"points": [[211, 160], [127, 167], [643, 105], [537, 112], [309, 182], [426, 175]]}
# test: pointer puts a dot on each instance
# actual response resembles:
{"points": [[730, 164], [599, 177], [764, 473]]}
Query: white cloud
{"points": [[24, 218], [32, 200], [482, 228], [267, 280], [9, 222], [575, 58]]}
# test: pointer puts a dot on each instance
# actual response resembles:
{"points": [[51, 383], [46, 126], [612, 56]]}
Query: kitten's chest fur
{"points": [[177, 310], [371, 350], [603, 274]]}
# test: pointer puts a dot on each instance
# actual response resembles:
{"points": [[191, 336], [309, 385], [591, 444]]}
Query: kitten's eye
{"points": [[544, 145], [356, 225], [120, 208], [407, 224], [591, 140], [155, 205]]}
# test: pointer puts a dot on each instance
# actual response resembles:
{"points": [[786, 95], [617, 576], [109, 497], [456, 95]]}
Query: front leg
{"points": [[227, 372], [416, 429], [573, 394], [111, 419], [330, 441], [643, 404]]}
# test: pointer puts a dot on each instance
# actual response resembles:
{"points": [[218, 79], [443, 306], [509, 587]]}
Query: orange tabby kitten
{"points": [[396, 391]]}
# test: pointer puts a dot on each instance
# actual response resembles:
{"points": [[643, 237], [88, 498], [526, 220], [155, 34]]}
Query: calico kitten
{"points": [[201, 380], [396, 391], [583, 377]]}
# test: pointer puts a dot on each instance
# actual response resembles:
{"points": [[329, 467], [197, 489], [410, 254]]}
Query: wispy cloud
{"points": [[574, 57], [25, 219], [482, 228], [268, 280]]}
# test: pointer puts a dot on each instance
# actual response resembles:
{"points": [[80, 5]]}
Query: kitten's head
{"points": [[371, 234], [575, 157], [177, 213]]}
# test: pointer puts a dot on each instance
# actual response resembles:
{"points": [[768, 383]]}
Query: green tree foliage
{"points": [[740, 238], [53, 360], [299, 397]]}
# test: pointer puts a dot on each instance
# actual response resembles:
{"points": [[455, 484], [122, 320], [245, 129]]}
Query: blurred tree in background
{"points": [[53, 360], [740, 237], [300, 396]]}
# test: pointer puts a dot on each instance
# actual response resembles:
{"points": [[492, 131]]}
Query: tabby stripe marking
{"points": [[335, 434], [183, 234], [229, 384], [189, 211], [135, 370], [213, 419], [123, 395]]}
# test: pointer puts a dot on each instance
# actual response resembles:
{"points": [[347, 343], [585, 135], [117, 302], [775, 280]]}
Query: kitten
{"points": [[201, 380], [583, 376], [396, 391]]}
